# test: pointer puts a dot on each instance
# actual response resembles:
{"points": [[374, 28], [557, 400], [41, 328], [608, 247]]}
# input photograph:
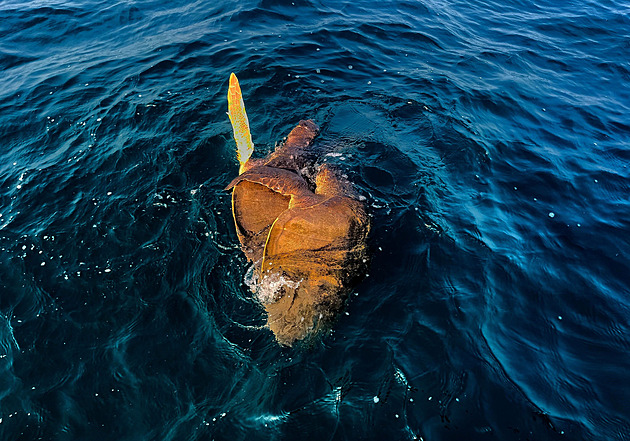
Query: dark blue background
{"points": [[490, 140]]}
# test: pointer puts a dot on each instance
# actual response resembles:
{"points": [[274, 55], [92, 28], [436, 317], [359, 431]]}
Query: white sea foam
{"points": [[272, 286]]}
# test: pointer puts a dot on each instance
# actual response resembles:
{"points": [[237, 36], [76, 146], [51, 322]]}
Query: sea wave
{"points": [[489, 142]]}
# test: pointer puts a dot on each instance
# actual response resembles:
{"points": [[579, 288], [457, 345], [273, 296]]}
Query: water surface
{"points": [[489, 139]]}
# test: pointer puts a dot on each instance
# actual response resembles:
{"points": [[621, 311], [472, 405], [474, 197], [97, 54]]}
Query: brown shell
{"points": [[307, 246]]}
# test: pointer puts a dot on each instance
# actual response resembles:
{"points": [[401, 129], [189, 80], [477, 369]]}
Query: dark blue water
{"points": [[491, 141]]}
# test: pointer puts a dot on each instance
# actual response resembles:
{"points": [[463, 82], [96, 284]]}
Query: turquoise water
{"points": [[489, 139]]}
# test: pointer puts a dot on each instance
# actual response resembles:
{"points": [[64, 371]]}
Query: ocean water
{"points": [[490, 140]]}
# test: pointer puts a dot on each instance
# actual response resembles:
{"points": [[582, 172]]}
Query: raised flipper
{"points": [[240, 123]]}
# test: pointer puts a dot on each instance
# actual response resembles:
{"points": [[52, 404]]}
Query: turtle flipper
{"points": [[240, 123]]}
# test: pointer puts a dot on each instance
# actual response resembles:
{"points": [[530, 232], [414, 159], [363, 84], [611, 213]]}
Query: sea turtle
{"points": [[300, 224]]}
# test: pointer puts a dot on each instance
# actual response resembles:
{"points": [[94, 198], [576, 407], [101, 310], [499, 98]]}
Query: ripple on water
{"points": [[488, 140]]}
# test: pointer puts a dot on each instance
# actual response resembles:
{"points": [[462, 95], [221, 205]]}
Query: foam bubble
{"points": [[272, 286]]}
